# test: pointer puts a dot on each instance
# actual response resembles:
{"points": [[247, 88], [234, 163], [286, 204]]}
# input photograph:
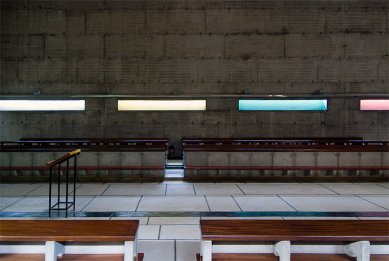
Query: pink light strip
{"points": [[374, 105]]}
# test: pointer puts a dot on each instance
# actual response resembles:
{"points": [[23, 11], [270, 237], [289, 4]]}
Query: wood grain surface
{"points": [[295, 230], [68, 230]]}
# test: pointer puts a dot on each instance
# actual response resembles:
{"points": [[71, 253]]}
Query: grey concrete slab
{"points": [[157, 250], [43, 190], [180, 232], [222, 203], [186, 250], [320, 218], [217, 189], [82, 218], [24, 218], [130, 189], [39, 204], [331, 203], [243, 218], [382, 201], [16, 189], [112, 203], [91, 189], [284, 188], [384, 184], [8, 201], [180, 189], [173, 203], [373, 218], [262, 203], [148, 231], [357, 188], [142, 220], [174, 220]]}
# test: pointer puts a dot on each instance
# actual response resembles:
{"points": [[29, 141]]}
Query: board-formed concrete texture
{"points": [[194, 47], [93, 165]]}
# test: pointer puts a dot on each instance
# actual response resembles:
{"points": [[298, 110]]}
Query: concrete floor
{"points": [[168, 237]]}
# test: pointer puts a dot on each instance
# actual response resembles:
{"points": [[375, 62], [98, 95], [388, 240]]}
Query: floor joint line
{"points": [[330, 189], [232, 196], [136, 209], [286, 202]]}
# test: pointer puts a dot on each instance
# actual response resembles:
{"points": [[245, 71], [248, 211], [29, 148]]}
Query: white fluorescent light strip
{"points": [[42, 105], [162, 105]]}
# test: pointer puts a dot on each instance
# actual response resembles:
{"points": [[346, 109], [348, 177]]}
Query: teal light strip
{"points": [[283, 105]]}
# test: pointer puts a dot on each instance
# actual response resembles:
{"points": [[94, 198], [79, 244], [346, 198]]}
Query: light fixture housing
{"points": [[42, 105], [162, 105], [374, 105], [283, 105]]}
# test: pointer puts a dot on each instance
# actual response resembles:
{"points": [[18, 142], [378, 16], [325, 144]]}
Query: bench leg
{"points": [[206, 250], [282, 249], [360, 250], [129, 251], [53, 249]]}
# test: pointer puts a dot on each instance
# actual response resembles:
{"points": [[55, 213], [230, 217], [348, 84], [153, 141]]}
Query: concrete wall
{"points": [[195, 46]]}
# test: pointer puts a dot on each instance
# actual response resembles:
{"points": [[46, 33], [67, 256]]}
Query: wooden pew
{"points": [[68, 240], [294, 240], [103, 160], [270, 140], [293, 160]]}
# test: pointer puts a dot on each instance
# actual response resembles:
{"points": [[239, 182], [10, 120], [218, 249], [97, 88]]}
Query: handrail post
{"points": [[57, 163], [50, 180], [59, 187], [74, 181], [67, 186]]}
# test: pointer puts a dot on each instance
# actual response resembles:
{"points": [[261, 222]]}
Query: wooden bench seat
{"points": [[41, 257], [66, 238], [259, 160], [294, 239], [294, 257]]}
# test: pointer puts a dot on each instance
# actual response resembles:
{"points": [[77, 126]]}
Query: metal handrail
{"points": [[53, 165]]}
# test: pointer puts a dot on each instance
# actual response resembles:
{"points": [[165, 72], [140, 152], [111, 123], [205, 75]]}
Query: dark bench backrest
{"points": [[295, 230], [277, 140], [68, 230], [367, 146], [96, 144]]}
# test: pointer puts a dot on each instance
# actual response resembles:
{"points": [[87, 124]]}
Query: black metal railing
{"points": [[55, 165]]}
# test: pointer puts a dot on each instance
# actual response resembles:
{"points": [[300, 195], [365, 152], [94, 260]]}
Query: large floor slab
{"points": [[8, 201], [112, 203], [262, 203], [222, 203], [331, 203], [217, 189], [357, 188], [173, 203], [43, 189], [382, 200], [180, 232], [135, 189], [284, 189], [174, 220], [384, 184], [180, 189], [157, 250], [41, 204], [17, 189], [186, 250], [91, 189], [148, 232]]}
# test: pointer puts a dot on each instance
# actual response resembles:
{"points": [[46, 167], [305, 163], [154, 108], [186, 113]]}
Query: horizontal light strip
{"points": [[283, 105], [42, 105], [374, 105], [162, 105]]}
